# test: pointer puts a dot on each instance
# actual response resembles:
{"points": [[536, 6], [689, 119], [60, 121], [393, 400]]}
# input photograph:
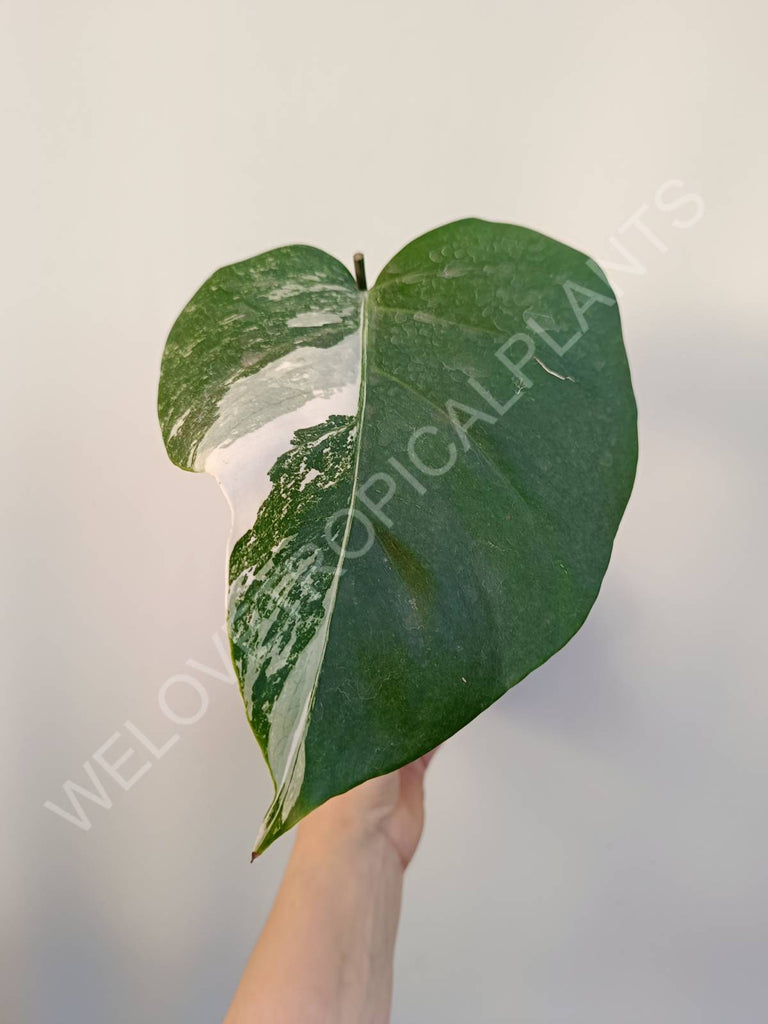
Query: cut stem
{"points": [[360, 271]]}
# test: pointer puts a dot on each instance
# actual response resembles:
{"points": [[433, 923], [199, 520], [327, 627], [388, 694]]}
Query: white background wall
{"points": [[597, 843]]}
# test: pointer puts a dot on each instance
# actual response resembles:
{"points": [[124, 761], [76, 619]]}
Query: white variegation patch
{"points": [[291, 288], [256, 422], [314, 318], [259, 415], [289, 716]]}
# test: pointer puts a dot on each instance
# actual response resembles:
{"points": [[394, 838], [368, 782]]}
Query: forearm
{"points": [[325, 954]]}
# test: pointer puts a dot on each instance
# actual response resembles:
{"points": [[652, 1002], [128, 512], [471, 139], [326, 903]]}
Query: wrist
{"points": [[348, 878], [330, 835]]}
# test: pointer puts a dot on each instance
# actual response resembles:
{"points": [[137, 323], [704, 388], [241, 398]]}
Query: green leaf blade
{"points": [[502, 558]]}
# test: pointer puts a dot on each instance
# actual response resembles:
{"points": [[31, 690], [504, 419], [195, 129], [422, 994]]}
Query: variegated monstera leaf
{"points": [[425, 482]]}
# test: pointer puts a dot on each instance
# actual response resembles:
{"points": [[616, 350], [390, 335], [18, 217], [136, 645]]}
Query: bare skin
{"points": [[325, 954]]}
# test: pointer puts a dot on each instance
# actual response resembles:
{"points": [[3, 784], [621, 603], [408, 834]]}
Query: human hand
{"points": [[389, 807], [326, 951]]}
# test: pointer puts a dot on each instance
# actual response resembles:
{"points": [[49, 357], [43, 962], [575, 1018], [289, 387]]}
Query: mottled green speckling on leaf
{"points": [[425, 482]]}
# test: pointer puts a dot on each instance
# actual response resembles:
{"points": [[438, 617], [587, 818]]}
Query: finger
{"points": [[428, 757]]}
